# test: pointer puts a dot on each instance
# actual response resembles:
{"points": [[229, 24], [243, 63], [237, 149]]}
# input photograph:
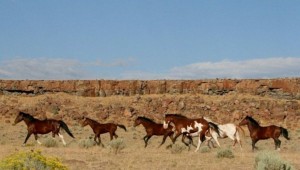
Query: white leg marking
{"points": [[38, 142], [62, 138], [199, 143]]}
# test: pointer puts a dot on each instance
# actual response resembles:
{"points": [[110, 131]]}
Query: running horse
{"points": [[258, 132], [36, 126], [99, 128], [189, 127], [153, 128], [229, 130]]}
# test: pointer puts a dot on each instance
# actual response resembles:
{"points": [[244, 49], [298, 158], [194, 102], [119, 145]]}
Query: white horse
{"points": [[229, 130]]}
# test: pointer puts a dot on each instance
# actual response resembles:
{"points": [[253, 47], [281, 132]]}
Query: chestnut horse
{"points": [[190, 127], [258, 132], [36, 126], [99, 128], [153, 128]]}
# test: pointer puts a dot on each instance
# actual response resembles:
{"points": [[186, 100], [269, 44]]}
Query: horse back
{"points": [[43, 126], [266, 132]]}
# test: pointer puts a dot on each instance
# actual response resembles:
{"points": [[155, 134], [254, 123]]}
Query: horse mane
{"points": [[146, 119], [176, 115], [28, 116], [252, 120], [92, 120]]}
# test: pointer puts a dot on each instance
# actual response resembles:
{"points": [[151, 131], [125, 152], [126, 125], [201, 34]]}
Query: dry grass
{"points": [[134, 155]]}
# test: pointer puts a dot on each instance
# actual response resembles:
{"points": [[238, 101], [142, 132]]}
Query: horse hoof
{"points": [[23, 145]]}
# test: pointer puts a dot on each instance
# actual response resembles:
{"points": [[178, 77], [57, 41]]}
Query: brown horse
{"points": [[258, 132], [35, 126], [99, 128], [190, 127], [153, 128]]}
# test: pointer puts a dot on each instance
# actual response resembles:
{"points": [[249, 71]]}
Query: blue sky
{"points": [[134, 39]]}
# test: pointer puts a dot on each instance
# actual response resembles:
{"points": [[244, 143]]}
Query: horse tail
{"points": [[214, 127], [65, 127], [285, 133], [122, 126], [241, 129]]}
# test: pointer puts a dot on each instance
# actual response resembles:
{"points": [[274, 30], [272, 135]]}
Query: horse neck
{"points": [[28, 120], [146, 123], [92, 123], [252, 126]]}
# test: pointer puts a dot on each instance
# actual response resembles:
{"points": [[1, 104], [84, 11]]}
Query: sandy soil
{"points": [[135, 156]]}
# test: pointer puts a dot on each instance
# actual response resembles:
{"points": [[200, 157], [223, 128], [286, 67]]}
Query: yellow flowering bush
{"points": [[31, 160]]}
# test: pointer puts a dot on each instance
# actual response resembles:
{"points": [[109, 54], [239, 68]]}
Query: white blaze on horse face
{"points": [[62, 138]]}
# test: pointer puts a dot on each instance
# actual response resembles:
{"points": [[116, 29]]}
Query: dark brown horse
{"points": [[153, 128], [99, 128], [190, 127], [36, 126], [258, 132]]}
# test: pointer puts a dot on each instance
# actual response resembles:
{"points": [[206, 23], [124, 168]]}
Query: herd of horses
{"points": [[173, 126]]}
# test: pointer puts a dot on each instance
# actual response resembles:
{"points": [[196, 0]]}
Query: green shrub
{"points": [[177, 148], [31, 160], [205, 149], [116, 145], [225, 153], [50, 142], [86, 143], [271, 161]]}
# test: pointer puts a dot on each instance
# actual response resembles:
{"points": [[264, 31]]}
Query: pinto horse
{"points": [[229, 130], [182, 131], [36, 126], [190, 127], [258, 132], [153, 128], [99, 128]]}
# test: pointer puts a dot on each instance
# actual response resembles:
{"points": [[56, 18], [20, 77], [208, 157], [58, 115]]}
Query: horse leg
{"points": [[95, 139], [27, 137], [182, 139], [115, 135], [215, 137], [146, 140], [164, 139], [99, 139], [62, 139], [253, 144], [171, 137], [277, 144], [191, 140], [176, 136], [36, 138], [200, 140]]}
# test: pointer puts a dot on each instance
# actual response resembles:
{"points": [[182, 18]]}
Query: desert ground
{"points": [[134, 156]]}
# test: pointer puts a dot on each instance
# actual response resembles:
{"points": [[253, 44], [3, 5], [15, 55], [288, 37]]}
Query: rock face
{"points": [[288, 88]]}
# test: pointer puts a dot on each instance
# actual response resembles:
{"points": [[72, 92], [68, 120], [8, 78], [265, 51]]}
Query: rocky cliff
{"points": [[283, 88]]}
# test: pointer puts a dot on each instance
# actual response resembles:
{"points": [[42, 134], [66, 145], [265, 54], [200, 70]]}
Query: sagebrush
{"points": [[271, 161], [31, 160]]}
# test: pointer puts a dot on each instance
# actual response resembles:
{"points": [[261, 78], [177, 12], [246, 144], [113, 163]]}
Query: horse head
{"points": [[19, 118], [137, 121], [244, 121], [84, 121]]}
